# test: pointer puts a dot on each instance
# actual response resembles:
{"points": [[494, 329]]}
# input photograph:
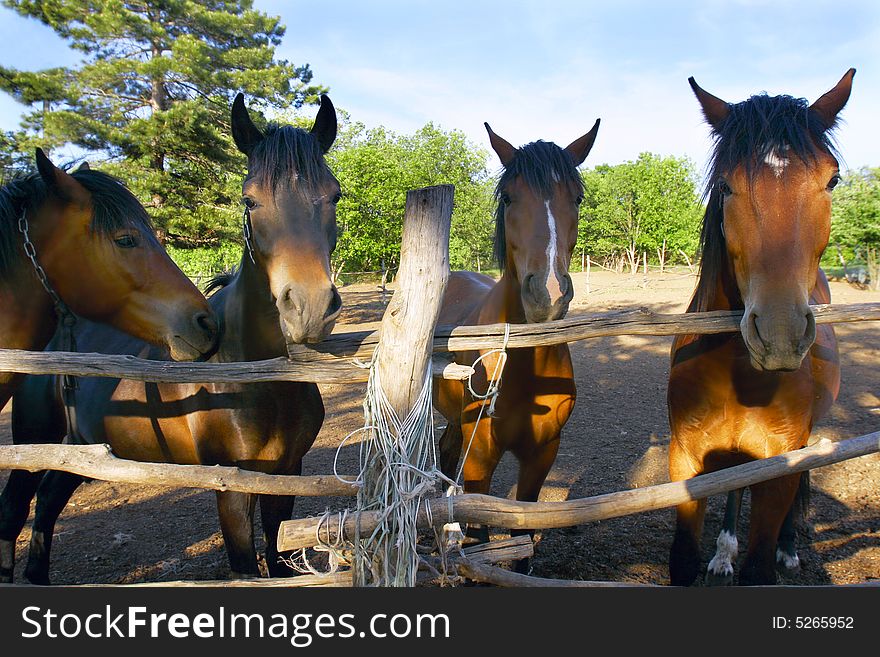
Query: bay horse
{"points": [[536, 219], [93, 242], [81, 242], [281, 292], [737, 397]]}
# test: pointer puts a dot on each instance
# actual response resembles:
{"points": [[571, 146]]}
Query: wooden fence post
{"points": [[403, 360]]}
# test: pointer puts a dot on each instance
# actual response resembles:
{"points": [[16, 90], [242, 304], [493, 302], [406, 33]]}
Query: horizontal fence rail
{"points": [[98, 462], [497, 512], [332, 361]]}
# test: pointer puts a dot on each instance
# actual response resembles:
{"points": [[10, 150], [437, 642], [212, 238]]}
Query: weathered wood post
{"points": [[398, 446]]}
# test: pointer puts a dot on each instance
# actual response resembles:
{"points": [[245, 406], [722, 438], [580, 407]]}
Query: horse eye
{"points": [[505, 198], [336, 198], [579, 200], [724, 188], [249, 203], [126, 241], [833, 182]]}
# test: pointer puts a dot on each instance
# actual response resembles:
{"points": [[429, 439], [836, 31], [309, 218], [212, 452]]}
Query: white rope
{"points": [[493, 390]]}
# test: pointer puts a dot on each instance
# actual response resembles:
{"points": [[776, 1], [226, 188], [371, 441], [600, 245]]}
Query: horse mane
{"points": [[753, 129], [220, 281], [287, 152], [542, 165], [113, 207]]}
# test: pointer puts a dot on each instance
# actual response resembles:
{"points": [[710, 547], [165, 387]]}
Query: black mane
{"points": [[286, 153], [753, 129], [113, 207], [542, 165]]}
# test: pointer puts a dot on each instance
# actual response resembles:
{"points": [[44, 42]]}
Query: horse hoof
{"points": [[719, 579], [788, 566], [37, 579]]}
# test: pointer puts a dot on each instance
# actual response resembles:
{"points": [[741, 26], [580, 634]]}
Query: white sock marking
{"points": [[726, 549], [791, 562]]}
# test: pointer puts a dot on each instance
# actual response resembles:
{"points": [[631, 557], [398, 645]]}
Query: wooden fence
{"points": [[338, 360]]}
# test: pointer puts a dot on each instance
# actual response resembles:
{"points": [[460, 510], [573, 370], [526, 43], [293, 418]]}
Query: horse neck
{"points": [[252, 328], [28, 319]]}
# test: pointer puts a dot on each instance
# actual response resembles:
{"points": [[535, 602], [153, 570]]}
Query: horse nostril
{"points": [[206, 322], [335, 304], [809, 334]]}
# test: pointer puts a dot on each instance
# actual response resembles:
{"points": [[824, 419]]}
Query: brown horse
{"points": [[535, 232], [737, 397], [282, 291], [93, 241]]}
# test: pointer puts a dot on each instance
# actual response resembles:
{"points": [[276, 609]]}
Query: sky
{"points": [[548, 69]]}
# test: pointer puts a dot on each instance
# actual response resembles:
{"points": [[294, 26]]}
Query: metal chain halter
{"points": [[246, 229], [66, 319]]}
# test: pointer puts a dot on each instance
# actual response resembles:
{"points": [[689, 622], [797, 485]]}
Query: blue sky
{"points": [[548, 69]]}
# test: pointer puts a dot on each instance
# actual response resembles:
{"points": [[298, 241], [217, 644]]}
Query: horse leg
{"points": [[52, 496], [236, 511], [684, 555], [34, 420], [479, 467], [533, 471], [720, 570], [275, 509], [770, 503], [450, 449], [15, 504], [787, 561]]}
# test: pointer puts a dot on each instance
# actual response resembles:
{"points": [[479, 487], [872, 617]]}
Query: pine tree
{"points": [[153, 95]]}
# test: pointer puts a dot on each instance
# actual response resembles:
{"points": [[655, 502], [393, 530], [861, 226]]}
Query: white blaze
{"points": [[776, 162], [551, 257]]}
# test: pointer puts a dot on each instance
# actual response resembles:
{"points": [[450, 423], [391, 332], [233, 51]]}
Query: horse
{"points": [[737, 397], [80, 242], [281, 292], [536, 218], [83, 239]]}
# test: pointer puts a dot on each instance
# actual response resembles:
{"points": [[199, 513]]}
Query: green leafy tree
{"points": [[376, 167], [649, 205], [855, 223], [153, 94]]}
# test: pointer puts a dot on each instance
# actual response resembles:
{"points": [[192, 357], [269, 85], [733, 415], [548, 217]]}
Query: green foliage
{"points": [[376, 167], [855, 213], [153, 95], [202, 261], [649, 205]]}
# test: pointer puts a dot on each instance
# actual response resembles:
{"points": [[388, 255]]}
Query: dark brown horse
{"points": [[536, 229], [93, 240], [753, 394], [282, 291]]}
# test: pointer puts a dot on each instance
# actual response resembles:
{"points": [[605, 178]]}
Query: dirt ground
{"points": [[616, 439]]}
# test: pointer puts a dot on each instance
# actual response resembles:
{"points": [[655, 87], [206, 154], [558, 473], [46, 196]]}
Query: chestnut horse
{"points": [[536, 223], [281, 292], [738, 397], [93, 241]]}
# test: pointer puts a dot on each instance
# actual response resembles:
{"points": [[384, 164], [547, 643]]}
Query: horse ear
{"points": [[501, 146], [57, 180], [84, 167], [714, 109], [580, 147], [244, 132], [830, 104], [325, 126]]}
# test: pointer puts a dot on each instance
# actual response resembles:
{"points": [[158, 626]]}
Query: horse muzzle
{"points": [[778, 340], [308, 316], [196, 338], [543, 302]]}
